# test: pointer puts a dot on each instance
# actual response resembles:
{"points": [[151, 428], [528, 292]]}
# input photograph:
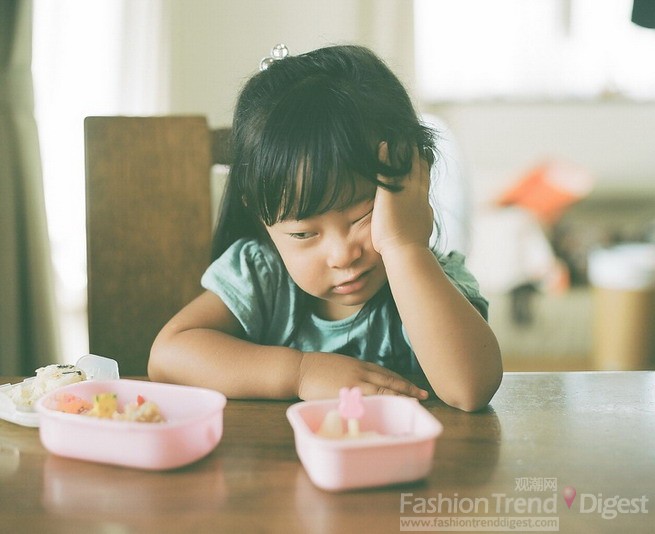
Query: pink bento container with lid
{"points": [[403, 454], [193, 426]]}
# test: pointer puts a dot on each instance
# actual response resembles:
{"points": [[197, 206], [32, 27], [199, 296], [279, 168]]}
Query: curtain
{"points": [[28, 333], [104, 57]]}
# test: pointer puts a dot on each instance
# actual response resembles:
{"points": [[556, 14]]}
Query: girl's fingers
{"points": [[389, 383], [420, 166], [420, 171]]}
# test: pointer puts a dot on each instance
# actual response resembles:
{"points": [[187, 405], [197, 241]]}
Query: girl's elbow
{"points": [[476, 398], [154, 369], [473, 404], [156, 360], [480, 399]]}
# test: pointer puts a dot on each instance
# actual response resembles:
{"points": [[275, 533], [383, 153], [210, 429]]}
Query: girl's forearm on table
{"points": [[216, 360], [454, 345]]}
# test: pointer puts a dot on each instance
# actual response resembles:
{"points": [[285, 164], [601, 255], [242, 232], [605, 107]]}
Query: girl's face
{"points": [[331, 257]]}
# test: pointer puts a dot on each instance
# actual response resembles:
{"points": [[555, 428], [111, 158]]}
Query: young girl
{"points": [[325, 277]]}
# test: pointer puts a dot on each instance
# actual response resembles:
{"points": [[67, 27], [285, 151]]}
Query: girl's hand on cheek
{"points": [[322, 375], [405, 217]]}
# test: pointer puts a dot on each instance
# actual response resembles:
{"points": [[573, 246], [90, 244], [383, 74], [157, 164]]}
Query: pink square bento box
{"points": [[193, 426], [403, 454]]}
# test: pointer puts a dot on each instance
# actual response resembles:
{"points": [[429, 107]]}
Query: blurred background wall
{"points": [[192, 57]]}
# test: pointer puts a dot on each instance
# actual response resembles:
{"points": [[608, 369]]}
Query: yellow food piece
{"points": [[104, 405]]}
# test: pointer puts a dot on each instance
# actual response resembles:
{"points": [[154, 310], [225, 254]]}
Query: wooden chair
{"points": [[149, 226]]}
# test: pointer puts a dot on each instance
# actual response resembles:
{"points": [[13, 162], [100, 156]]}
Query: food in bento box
{"points": [[72, 404], [351, 410], [332, 428], [141, 410], [47, 378], [105, 406]]}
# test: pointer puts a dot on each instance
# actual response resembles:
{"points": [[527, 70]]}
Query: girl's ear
{"points": [[383, 152]]}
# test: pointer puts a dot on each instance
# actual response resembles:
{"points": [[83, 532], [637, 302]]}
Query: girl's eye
{"points": [[363, 217], [302, 235]]}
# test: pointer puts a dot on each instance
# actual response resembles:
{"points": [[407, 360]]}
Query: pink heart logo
{"points": [[569, 495]]}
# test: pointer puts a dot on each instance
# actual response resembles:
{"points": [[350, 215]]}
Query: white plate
{"points": [[95, 368]]}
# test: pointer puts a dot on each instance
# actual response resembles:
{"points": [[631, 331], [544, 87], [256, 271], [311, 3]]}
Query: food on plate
{"points": [[105, 406], [47, 378]]}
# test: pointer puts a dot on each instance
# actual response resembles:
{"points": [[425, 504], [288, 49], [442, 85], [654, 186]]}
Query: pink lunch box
{"points": [[403, 454], [193, 425]]}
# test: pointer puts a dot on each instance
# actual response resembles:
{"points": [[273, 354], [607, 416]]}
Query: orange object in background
{"points": [[548, 189]]}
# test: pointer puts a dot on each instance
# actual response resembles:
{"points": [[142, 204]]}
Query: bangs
{"points": [[314, 153], [305, 140]]}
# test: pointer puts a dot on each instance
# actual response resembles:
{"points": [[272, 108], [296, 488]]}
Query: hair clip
{"points": [[278, 52]]}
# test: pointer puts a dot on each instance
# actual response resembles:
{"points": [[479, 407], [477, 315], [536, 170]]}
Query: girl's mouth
{"points": [[352, 285]]}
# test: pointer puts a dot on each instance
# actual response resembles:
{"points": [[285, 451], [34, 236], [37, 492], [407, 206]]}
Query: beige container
{"points": [[623, 281]]}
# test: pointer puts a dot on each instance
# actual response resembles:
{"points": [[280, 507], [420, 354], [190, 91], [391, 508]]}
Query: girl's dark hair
{"points": [[306, 129]]}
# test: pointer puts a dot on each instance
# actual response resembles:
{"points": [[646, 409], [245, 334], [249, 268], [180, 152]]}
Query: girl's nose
{"points": [[343, 251]]}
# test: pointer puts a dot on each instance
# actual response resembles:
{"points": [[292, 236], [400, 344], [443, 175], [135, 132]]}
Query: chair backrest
{"points": [[149, 226]]}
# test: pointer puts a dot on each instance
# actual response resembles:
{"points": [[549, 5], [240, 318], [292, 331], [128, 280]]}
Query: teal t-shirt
{"points": [[254, 284]]}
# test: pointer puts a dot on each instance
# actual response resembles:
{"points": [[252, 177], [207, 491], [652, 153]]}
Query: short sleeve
{"points": [[247, 279], [454, 266]]}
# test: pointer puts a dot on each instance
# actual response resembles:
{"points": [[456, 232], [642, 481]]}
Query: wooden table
{"points": [[544, 431]]}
